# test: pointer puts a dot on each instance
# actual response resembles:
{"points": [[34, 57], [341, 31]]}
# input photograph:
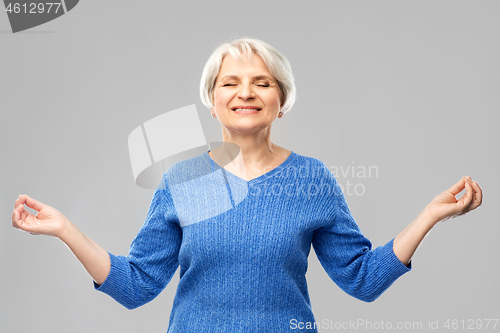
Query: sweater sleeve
{"points": [[347, 255], [139, 277]]}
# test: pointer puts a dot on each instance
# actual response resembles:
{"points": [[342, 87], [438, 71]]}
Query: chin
{"points": [[247, 126]]}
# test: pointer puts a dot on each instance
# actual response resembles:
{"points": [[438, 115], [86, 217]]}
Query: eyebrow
{"points": [[235, 77]]}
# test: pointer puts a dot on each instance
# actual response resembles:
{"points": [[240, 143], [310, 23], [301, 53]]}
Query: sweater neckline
{"points": [[260, 178]]}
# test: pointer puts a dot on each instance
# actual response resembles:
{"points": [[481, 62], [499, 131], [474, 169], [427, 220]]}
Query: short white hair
{"points": [[276, 62]]}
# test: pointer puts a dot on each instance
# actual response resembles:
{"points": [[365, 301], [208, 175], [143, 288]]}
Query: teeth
{"points": [[246, 109]]}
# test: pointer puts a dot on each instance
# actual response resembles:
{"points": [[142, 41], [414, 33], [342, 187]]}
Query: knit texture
{"points": [[242, 247]]}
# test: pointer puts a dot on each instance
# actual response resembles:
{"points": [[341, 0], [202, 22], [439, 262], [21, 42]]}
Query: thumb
{"points": [[458, 187], [31, 203]]}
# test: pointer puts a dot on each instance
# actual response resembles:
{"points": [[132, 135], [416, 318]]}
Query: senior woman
{"points": [[240, 220]]}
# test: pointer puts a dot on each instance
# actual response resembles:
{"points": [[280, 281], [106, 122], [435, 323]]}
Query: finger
{"points": [[469, 200], [18, 220], [464, 202], [478, 196], [15, 218], [23, 223], [14, 215], [19, 208], [18, 201], [17, 212], [31, 203], [24, 215], [458, 187]]}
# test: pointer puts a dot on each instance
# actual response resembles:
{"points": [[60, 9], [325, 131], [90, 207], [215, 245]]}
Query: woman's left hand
{"points": [[446, 206]]}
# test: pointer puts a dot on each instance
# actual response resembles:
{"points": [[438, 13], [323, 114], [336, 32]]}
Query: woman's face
{"points": [[247, 97]]}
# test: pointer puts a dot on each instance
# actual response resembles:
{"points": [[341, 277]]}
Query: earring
{"points": [[213, 115], [280, 114]]}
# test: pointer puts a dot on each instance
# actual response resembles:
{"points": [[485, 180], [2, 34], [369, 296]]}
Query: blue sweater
{"points": [[242, 247]]}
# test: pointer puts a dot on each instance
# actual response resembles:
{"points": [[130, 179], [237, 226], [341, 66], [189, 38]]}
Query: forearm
{"points": [[407, 242], [93, 257]]}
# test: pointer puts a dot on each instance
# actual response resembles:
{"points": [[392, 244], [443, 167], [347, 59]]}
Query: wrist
{"points": [[66, 230], [427, 218]]}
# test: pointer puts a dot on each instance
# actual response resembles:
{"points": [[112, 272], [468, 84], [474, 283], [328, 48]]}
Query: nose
{"points": [[246, 91]]}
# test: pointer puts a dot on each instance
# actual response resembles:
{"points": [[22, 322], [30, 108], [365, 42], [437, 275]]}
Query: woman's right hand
{"points": [[49, 221]]}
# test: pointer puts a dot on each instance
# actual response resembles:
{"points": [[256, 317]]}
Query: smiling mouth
{"points": [[237, 109]]}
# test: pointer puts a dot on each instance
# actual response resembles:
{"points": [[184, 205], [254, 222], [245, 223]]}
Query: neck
{"points": [[255, 147], [248, 155]]}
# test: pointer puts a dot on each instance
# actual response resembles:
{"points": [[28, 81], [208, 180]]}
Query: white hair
{"points": [[276, 62]]}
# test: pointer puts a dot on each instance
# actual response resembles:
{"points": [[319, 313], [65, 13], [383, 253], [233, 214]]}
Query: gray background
{"points": [[409, 87]]}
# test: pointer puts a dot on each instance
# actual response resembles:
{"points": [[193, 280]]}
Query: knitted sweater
{"points": [[242, 247]]}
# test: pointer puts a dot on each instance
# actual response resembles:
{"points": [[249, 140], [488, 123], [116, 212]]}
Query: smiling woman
{"points": [[239, 221]]}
